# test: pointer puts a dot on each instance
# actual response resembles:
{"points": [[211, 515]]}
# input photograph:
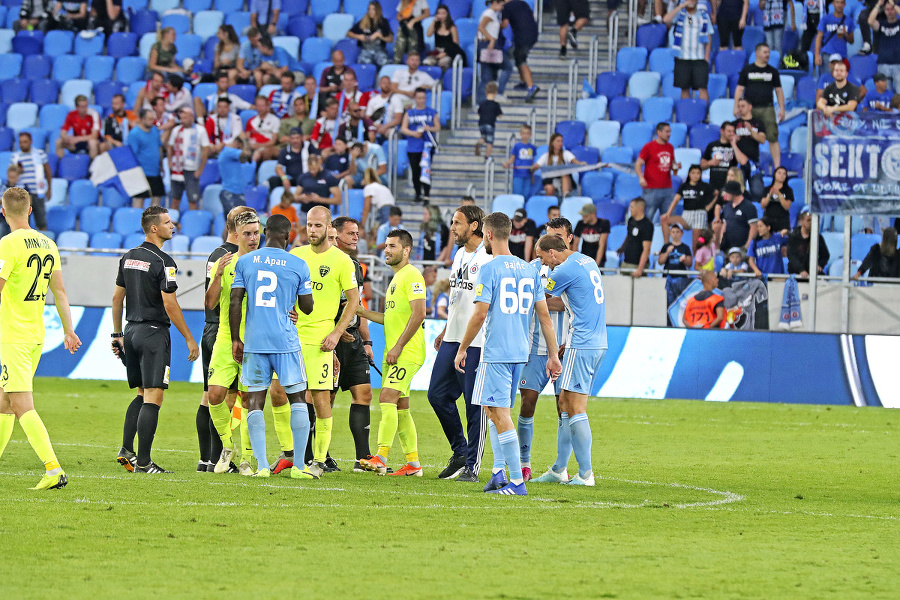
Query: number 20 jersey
{"points": [[27, 259], [578, 281], [273, 279]]}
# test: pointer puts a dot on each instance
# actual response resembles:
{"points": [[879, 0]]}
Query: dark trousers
{"points": [[39, 210], [447, 385], [809, 36], [415, 165]]}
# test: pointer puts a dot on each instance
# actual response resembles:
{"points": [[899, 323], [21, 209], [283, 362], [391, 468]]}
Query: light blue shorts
{"points": [[579, 369], [495, 384], [534, 375], [257, 369]]}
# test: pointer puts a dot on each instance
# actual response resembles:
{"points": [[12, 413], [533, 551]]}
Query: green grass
{"points": [[697, 500]]}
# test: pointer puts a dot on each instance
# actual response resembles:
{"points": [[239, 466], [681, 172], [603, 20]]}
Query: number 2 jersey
{"points": [[577, 281], [27, 259], [273, 279], [510, 286]]}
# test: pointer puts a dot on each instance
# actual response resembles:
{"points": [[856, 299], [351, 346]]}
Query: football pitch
{"points": [[696, 500]]}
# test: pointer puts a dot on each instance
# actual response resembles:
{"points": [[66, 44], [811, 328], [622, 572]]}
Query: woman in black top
{"points": [[883, 260], [446, 39], [698, 197], [372, 34], [777, 202]]}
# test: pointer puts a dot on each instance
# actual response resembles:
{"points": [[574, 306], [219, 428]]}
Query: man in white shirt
{"points": [[262, 132], [378, 107], [188, 149], [35, 176], [282, 101], [222, 126], [405, 82], [178, 96], [207, 106]]}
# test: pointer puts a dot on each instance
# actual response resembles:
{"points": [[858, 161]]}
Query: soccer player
{"points": [[223, 369], [576, 279], [354, 350], [332, 273], [534, 375], [273, 281], [29, 265], [509, 291], [447, 384], [146, 279], [404, 337]]}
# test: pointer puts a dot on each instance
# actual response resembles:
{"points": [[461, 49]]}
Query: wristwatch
{"points": [[367, 343]]}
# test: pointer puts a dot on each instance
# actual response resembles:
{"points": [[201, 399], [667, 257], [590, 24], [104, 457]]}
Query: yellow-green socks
{"points": [[39, 439], [7, 422], [323, 437], [221, 418], [409, 439], [282, 417], [387, 429], [246, 448]]}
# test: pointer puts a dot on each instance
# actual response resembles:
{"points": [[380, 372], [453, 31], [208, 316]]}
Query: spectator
{"points": [[721, 155], [326, 127], [420, 124], [298, 119], [395, 215], [293, 160], [739, 216], [316, 188], [227, 53], [372, 34], [751, 132], [887, 36], [777, 202], [369, 156], [84, 123], [591, 233], [757, 81], [675, 255], [188, 152], [730, 18], [178, 96], [767, 249], [693, 43], [699, 198], [518, 15], [286, 208], [446, 39], [522, 235], [35, 177], [262, 132], [635, 250], [264, 15], [521, 159], [357, 128], [109, 16], [377, 198], [405, 82], [155, 88], [654, 167], [706, 309], [162, 119], [378, 102], [556, 155], [705, 251], [12, 180], [581, 11], [117, 125], [410, 36], [250, 57], [441, 299], [798, 251], [34, 15], [71, 16], [162, 53], [834, 32], [146, 143], [339, 163], [774, 13], [488, 113], [349, 94], [492, 62], [311, 97], [883, 260], [272, 64], [435, 233], [282, 100], [207, 106], [330, 82], [841, 95], [827, 78], [223, 127], [879, 99], [230, 159], [734, 265], [552, 213], [813, 16]]}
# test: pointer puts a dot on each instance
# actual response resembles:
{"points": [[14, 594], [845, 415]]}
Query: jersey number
{"points": [[598, 287], [44, 267], [268, 288], [396, 373], [513, 300]]}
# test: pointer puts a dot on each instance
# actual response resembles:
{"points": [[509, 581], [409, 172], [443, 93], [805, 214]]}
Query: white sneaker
{"points": [[245, 469], [552, 476], [224, 460], [642, 20], [579, 480], [501, 98]]}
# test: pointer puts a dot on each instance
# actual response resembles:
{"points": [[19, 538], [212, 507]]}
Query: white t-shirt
{"points": [[381, 195], [264, 129], [186, 143], [376, 101], [493, 27], [568, 157], [178, 100], [408, 82], [463, 276], [237, 103]]}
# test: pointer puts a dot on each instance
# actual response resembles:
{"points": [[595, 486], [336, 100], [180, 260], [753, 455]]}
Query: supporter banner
{"points": [[856, 163], [642, 362]]}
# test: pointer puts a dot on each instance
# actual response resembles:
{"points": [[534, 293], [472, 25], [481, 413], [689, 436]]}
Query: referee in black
{"points": [[146, 279], [354, 350]]}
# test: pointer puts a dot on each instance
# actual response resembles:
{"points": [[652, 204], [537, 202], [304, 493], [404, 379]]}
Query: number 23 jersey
{"points": [[27, 259], [577, 281]]}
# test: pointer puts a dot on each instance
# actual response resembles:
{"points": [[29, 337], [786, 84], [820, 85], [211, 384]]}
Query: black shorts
{"points": [[580, 8], [81, 148], [691, 74], [157, 188], [206, 347], [148, 353], [520, 54], [354, 364], [728, 28]]}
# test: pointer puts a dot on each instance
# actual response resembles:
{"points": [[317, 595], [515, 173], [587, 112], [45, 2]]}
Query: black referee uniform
{"points": [[211, 327]]}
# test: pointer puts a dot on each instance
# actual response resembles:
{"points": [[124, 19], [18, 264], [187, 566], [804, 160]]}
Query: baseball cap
{"points": [[520, 214], [676, 226], [734, 250], [296, 131], [588, 209], [880, 77], [734, 188], [836, 58]]}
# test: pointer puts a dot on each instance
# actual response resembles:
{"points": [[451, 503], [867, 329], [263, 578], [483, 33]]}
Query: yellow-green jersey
{"points": [[332, 272], [27, 259], [224, 332], [406, 286]]}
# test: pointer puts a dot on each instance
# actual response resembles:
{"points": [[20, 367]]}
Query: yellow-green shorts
{"points": [[18, 363], [319, 367], [224, 371], [399, 376]]}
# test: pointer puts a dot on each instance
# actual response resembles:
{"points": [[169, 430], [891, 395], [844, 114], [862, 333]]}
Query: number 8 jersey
{"points": [[273, 279], [577, 281], [510, 286], [27, 258]]}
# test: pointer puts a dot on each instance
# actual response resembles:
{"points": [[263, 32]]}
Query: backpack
{"points": [[796, 60]]}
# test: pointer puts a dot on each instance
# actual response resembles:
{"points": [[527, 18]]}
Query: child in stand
{"points": [[286, 208], [521, 157], [705, 254], [488, 113], [735, 264]]}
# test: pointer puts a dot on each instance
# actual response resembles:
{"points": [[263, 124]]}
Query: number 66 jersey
{"points": [[577, 281], [272, 278]]}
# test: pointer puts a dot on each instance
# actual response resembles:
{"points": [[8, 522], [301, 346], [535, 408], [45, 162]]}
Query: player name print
{"points": [[137, 265], [272, 262]]}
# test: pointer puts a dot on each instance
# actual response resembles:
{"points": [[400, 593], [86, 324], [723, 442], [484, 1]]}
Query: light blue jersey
{"points": [[577, 281], [273, 279], [510, 286], [560, 319]]}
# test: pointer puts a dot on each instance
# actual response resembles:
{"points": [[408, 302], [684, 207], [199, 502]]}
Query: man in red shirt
{"points": [[262, 132], [654, 167], [84, 123]]}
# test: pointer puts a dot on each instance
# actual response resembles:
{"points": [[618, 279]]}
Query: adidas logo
{"points": [[577, 386], [491, 399]]}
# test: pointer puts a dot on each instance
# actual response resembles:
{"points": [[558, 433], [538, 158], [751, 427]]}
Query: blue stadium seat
{"points": [[587, 155], [162, 6], [365, 76], [860, 244], [657, 109], [266, 170], [834, 241], [631, 60], [180, 22], [679, 133], [145, 44], [635, 135], [6, 139], [207, 23], [133, 240], [205, 244], [73, 167], [717, 86], [702, 134], [44, 91], [127, 220], [570, 207], [211, 202], [52, 116], [721, 110], [468, 31], [27, 45], [72, 239], [134, 5], [239, 20], [603, 134], [246, 115], [37, 66], [122, 44], [196, 223], [537, 206], [686, 157], [58, 43], [572, 132], [588, 110], [90, 46], [257, 197], [351, 52], [179, 244], [106, 241], [643, 85], [357, 8], [651, 36], [113, 198], [322, 8], [624, 109], [99, 68], [301, 26], [459, 9], [21, 115], [243, 91], [94, 219], [82, 193], [227, 6], [315, 50], [67, 67], [196, 6], [104, 92], [662, 60], [13, 90], [618, 154], [289, 43], [690, 111], [189, 46], [753, 35], [144, 21], [626, 189], [335, 26], [38, 138], [130, 69], [507, 203], [616, 237], [794, 163], [864, 67], [73, 88], [6, 37], [613, 212], [798, 140], [597, 186], [730, 62], [210, 174], [10, 65]]}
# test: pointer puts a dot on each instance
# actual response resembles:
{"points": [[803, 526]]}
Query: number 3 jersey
{"points": [[577, 281], [273, 279], [27, 259], [510, 286]]}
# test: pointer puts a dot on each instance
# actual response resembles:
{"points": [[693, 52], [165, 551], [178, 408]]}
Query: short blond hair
{"points": [[16, 202], [232, 215]]}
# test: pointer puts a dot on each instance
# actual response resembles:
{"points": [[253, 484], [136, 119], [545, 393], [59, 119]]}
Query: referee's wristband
{"points": [[367, 343], [117, 335]]}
